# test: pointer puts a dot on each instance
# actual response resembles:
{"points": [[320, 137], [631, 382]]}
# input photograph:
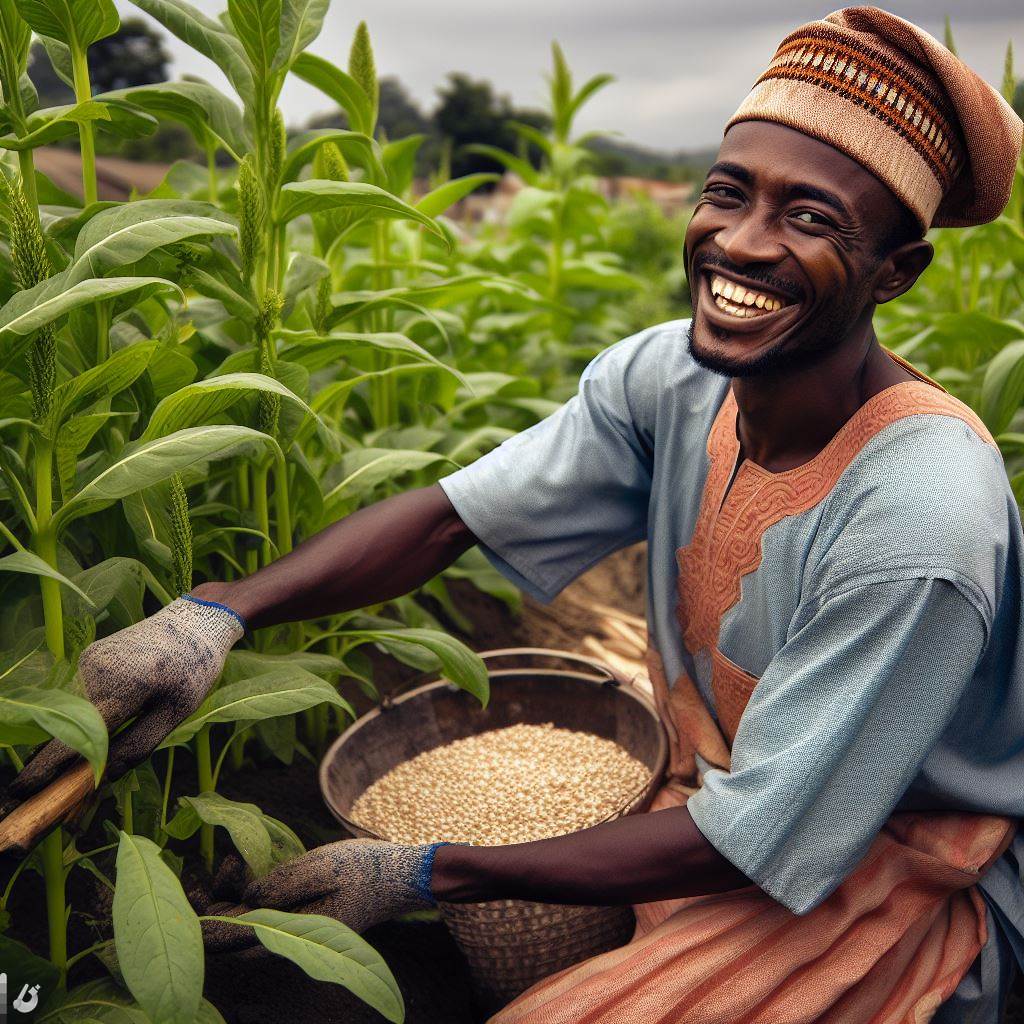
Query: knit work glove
{"points": [[159, 670], [360, 882]]}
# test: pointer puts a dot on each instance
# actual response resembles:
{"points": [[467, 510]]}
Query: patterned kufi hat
{"points": [[901, 104]]}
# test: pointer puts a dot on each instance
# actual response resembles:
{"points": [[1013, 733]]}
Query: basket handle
{"points": [[612, 677]]}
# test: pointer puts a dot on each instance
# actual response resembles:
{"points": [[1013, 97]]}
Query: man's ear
{"points": [[901, 269]]}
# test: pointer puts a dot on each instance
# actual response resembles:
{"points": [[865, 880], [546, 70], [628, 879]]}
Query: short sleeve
{"points": [[550, 502], [837, 728]]}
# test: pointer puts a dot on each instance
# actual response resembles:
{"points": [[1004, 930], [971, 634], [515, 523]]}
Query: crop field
{"points": [[193, 381]]}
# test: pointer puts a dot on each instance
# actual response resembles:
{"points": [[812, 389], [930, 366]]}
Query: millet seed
{"points": [[510, 785]]}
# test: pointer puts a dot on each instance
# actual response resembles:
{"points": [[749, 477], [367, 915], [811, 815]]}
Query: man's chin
{"points": [[711, 354]]}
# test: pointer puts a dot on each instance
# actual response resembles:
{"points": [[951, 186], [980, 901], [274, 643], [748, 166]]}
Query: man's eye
{"points": [[809, 217], [721, 191]]}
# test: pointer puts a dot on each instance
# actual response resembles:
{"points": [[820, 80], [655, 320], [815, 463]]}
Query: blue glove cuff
{"points": [[217, 604], [422, 881]]}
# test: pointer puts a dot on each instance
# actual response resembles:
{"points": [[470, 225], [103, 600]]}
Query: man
{"points": [[835, 591]]}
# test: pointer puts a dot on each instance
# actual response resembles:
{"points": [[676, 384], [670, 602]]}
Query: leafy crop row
{"points": [[194, 380]]}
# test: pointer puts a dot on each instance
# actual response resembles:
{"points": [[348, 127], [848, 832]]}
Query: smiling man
{"points": [[835, 592]]}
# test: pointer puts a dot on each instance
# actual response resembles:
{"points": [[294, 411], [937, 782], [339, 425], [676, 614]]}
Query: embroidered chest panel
{"points": [[727, 538]]}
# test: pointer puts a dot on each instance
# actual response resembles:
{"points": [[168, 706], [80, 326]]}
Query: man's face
{"points": [[782, 250]]}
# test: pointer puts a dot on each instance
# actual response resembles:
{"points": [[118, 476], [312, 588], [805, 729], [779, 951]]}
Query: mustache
{"points": [[757, 273]]}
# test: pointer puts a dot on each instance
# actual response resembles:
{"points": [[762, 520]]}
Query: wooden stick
{"points": [[33, 818]]}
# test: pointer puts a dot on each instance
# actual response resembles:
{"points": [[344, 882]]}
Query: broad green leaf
{"points": [[146, 464], [301, 21], [58, 713], [329, 951], [459, 664], [1002, 388], [29, 310], [108, 378], [207, 36], [339, 344], [125, 234], [369, 201], [448, 194], [284, 691], [203, 109], [303, 272], [28, 562], [257, 24], [365, 468], [204, 399], [243, 664], [243, 822], [15, 40], [72, 439], [157, 934], [47, 126], [340, 87], [78, 23]]}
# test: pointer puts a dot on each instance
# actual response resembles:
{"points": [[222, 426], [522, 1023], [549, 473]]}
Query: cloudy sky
{"points": [[681, 66]]}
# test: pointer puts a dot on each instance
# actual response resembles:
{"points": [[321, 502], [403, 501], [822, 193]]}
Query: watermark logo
{"points": [[26, 1002]]}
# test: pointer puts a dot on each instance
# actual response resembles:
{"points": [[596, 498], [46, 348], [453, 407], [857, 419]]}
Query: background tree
{"points": [[469, 111]]}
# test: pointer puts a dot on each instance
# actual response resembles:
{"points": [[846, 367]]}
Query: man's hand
{"points": [[360, 882], [159, 670]]}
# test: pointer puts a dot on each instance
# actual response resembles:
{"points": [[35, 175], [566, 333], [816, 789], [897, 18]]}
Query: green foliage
{"points": [[328, 951], [195, 380], [157, 935]]}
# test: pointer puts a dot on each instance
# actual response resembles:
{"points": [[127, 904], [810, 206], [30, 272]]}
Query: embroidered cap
{"points": [[901, 104]]}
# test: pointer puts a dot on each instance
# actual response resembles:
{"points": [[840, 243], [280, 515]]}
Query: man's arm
{"points": [[362, 882], [373, 555], [637, 859]]}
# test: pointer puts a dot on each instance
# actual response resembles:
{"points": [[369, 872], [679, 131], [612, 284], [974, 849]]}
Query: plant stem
{"points": [[128, 820], [211, 169], [85, 952], [52, 852], [259, 499], [103, 335], [83, 92], [167, 787], [282, 506], [206, 785], [244, 499], [46, 547], [27, 168]]}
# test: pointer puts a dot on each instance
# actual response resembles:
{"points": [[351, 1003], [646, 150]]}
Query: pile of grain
{"points": [[509, 785]]}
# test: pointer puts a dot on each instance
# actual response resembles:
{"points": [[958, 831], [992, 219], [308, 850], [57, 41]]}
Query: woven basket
{"points": [[509, 944]]}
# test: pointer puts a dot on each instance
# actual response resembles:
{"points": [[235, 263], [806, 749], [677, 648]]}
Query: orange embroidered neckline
{"points": [[726, 542]]}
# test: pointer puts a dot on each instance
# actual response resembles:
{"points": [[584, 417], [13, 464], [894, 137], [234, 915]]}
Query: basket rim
{"points": [[634, 802]]}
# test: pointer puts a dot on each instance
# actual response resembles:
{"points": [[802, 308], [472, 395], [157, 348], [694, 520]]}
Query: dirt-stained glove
{"points": [[159, 669], [360, 882]]}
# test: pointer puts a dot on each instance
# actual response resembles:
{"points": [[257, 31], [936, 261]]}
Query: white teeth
{"points": [[740, 301]]}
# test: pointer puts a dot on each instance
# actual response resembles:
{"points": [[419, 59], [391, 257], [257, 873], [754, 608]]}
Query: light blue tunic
{"points": [[884, 623]]}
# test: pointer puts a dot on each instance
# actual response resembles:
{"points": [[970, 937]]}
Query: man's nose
{"points": [[749, 239]]}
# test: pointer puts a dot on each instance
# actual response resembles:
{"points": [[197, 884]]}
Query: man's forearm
{"points": [[637, 859], [377, 553]]}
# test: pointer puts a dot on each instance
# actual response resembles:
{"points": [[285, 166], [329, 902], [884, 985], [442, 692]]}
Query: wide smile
{"points": [[743, 306]]}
